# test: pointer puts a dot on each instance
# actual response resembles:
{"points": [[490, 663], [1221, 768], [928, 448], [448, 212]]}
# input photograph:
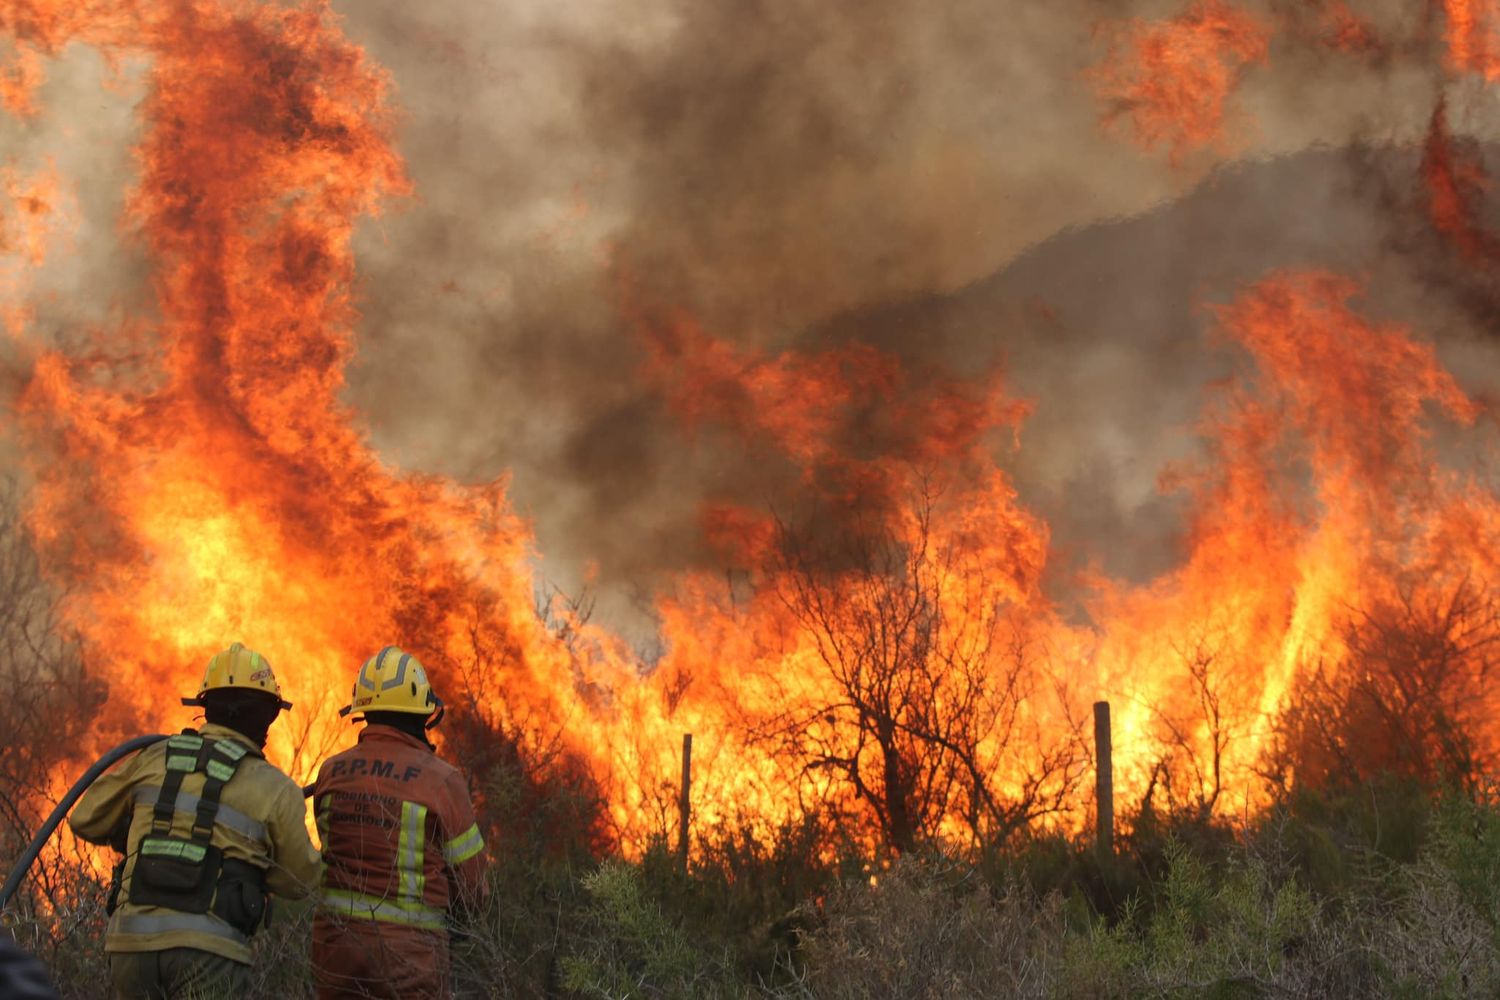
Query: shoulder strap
{"points": [[187, 753], [183, 753], [224, 758]]}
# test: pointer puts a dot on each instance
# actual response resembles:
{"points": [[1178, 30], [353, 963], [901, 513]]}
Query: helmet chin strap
{"points": [[437, 716]]}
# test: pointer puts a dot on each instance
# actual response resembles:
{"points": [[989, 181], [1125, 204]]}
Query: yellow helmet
{"points": [[238, 667], [393, 681]]}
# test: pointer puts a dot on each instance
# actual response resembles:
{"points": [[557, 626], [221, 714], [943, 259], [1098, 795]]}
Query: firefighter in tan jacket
{"points": [[400, 842], [208, 828]]}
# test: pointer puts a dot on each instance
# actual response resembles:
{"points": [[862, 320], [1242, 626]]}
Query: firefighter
{"points": [[208, 828], [401, 846]]}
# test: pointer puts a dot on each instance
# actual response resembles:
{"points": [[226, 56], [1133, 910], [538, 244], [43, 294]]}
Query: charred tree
{"points": [[1196, 727], [926, 716], [51, 700]]}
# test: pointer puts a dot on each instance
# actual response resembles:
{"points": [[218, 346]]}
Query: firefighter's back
{"points": [[386, 812], [208, 830], [400, 843], [254, 811]]}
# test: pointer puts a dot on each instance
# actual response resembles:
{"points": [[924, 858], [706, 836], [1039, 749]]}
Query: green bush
{"points": [[1299, 905], [626, 947], [1227, 933]]}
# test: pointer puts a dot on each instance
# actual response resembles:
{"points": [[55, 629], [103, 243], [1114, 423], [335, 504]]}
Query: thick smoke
{"points": [[90, 272], [931, 178], [764, 168]]}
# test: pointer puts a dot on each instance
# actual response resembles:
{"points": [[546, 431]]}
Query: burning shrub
{"points": [[930, 681], [531, 794], [533, 791], [49, 695], [49, 703], [1412, 695]]}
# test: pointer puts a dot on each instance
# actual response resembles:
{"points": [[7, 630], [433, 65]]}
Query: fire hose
{"points": [[29, 856]]}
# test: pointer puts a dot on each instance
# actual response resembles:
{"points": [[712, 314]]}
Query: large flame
{"points": [[197, 477], [1209, 654], [198, 480]]}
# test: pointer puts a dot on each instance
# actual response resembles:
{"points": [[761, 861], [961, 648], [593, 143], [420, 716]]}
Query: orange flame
{"points": [[205, 483], [1474, 36], [1210, 653], [1456, 181], [198, 481], [1346, 31], [1173, 79]]}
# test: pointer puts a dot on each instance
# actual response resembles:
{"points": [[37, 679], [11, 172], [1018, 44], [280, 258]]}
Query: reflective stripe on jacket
{"points": [[261, 820], [400, 842]]}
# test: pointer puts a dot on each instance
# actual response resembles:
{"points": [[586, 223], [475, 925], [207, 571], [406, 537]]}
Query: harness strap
{"points": [[184, 753], [190, 753], [221, 759]]}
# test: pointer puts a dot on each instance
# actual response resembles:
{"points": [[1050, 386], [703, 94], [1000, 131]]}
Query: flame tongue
{"points": [[1279, 569], [228, 496]]}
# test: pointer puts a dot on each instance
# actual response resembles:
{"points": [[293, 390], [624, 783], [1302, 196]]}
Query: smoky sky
{"points": [[931, 178]]}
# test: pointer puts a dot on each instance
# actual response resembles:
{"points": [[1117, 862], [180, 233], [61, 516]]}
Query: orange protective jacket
{"points": [[401, 847]]}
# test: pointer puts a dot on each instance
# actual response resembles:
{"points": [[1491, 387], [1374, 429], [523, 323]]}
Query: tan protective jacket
{"points": [[261, 820]]}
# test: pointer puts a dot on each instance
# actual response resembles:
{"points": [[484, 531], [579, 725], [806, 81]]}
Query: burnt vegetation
{"points": [[930, 697]]}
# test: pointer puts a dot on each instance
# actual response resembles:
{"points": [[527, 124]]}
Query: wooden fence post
{"points": [[1104, 781], [684, 801]]}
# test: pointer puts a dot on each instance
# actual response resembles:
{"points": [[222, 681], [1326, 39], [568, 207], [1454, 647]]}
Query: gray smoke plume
{"points": [[931, 178]]}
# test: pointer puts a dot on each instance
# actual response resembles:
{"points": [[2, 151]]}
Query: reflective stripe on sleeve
{"points": [[187, 803], [354, 904], [464, 846], [411, 852], [164, 923]]}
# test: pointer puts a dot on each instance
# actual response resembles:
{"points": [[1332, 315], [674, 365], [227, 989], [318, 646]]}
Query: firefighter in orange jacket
{"points": [[401, 847], [208, 828]]}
